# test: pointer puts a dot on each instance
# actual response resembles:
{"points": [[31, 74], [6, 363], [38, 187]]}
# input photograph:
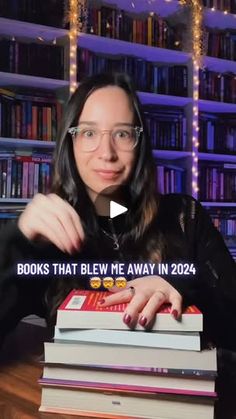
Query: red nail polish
{"points": [[127, 318], [175, 314], [143, 321], [102, 301]]}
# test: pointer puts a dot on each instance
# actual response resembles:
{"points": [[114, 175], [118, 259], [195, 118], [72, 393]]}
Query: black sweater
{"points": [[190, 237]]}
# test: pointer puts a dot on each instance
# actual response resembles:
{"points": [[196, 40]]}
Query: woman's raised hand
{"points": [[49, 217], [145, 296]]}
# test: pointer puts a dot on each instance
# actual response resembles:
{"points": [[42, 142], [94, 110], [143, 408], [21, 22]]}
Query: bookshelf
{"points": [[55, 90], [190, 158], [223, 213]]}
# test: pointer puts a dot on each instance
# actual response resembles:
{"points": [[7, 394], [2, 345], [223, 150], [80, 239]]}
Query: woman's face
{"points": [[106, 109]]}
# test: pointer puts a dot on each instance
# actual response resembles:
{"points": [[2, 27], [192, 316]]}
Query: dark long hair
{"points": [[67, 182]]}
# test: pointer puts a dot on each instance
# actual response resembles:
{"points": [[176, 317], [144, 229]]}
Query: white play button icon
{"points": [[116, 209]]}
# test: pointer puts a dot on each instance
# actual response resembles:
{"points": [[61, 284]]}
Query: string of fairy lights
{"points": [[197, 49], [73, 34], [75, 10]]}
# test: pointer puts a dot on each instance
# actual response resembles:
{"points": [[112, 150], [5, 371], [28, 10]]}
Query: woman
{"points": [[104, 153]]}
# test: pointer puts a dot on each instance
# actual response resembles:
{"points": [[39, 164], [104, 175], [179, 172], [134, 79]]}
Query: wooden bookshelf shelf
{"points": [[217, 157], [13, 79], [155, 99], [171, 154], [219, 64], [218, 19], [19, 28], [21, 143], [103, 45], [214, 106]]}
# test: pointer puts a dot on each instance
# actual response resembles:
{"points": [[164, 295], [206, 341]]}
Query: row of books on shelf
{"points": [[36, 59], [223, 5], [151, 29], [29, 116], [25, 58], [225, 222], [217, 86], [158, 78], [170, 179], [21, 176], [37, 115], [167, 127], [147, 76], [217, 133], [217, 182], [50, 12], [221, 44], [227, 226], [24, 176], [115, 23], [136, 373]]}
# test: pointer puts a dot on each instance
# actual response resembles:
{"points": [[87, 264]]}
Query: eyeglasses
{"points": [[124, 138]]}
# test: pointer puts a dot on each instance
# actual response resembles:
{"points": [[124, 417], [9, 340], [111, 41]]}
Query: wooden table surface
{"points": [[20, 368]]}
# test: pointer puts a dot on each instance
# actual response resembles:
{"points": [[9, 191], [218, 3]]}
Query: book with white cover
{"points": [[116, 404], [90, 353], [173, 381], [174, 340]]}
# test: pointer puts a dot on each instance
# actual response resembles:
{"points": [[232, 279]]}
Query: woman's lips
{"points": [[108, 174]]}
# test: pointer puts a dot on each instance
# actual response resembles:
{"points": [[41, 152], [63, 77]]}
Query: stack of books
{"points": [[98, 367]]}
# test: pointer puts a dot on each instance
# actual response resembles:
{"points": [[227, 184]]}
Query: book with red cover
{"points": [[81, 310]]}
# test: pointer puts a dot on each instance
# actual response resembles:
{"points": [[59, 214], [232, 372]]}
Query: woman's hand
{"points": [[145, 296], [51, 218]]}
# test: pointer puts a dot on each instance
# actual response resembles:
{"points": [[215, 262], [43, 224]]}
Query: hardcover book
{"points": [[81, 310]]}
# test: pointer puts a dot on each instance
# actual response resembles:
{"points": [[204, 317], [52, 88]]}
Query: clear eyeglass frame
{"points": [[74, 131]]}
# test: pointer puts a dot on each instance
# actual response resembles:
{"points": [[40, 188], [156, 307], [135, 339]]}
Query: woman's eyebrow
{"points": [[128, 124], [88, 122]]}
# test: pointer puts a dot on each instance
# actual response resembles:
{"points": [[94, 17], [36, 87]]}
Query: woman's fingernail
{"points": [[127, 318], [102, 301], [175, 314], [143, 321]]}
